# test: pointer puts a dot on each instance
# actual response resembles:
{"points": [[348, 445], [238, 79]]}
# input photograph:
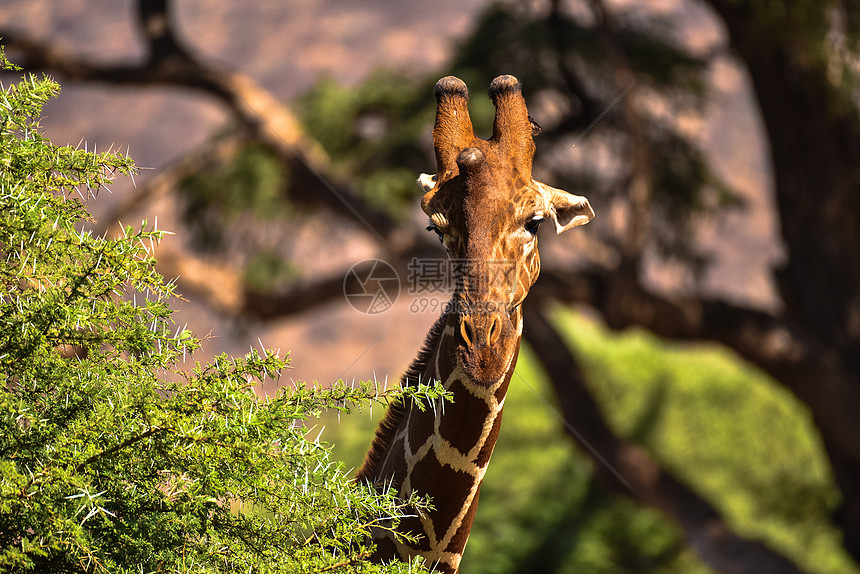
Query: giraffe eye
{"points": [[533, 224], [435, 229]]}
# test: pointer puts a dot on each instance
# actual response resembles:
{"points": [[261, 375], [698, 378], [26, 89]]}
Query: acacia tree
{"points": [[117, 453]]}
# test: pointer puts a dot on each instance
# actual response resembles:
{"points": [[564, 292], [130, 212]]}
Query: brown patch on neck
{"points": [[464, 420]]}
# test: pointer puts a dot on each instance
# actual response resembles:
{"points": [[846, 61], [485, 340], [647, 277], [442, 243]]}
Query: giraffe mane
{"points": [[396, 411]]}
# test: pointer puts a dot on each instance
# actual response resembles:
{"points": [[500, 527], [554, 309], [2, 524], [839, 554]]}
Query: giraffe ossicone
{"points": [[486, 208]]}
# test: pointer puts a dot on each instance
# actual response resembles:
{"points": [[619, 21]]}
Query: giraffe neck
{"points": [[443, 451]]}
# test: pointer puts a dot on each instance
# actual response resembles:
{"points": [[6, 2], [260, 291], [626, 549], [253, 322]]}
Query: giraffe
{"points": [[486, 209]]}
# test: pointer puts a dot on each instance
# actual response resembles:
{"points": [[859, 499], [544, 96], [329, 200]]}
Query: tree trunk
{"points": [[814, 135]]}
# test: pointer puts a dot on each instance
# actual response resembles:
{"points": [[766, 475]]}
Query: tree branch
{"points": [[125, 444], [299, 297], [169, 64], [760, 337], [157, 27]]}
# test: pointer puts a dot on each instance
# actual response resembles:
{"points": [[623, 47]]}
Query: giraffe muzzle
{"points": [[485, 345]]}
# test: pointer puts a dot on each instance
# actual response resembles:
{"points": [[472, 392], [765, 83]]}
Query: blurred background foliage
{"points": [[251, 184]]}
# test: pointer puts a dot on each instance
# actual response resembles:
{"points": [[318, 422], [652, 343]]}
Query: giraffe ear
{"points": [[427, 181], [565, 209]]}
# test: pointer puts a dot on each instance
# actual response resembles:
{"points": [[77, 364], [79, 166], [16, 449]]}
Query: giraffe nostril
{"points": [[466, 330], [495, 330]]}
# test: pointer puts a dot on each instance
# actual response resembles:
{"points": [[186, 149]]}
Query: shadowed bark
{"points": [[813, 128]]}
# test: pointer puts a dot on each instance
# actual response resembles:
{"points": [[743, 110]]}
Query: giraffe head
{"points": [[486, 209]]}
